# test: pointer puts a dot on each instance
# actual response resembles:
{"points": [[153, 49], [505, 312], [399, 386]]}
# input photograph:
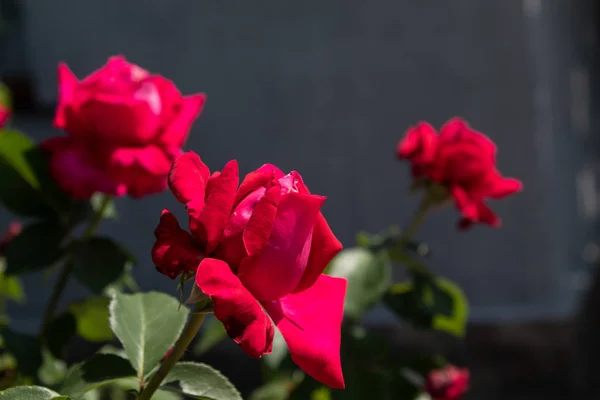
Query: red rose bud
{"points": [[259, 252], [461, 160], [125, 127], [449, 383], [14, 229]]}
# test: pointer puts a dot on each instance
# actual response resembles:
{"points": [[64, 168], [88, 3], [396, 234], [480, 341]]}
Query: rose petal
{"points": [[174, 250], [324, 247], [284, 258], [504, 187], [419, 144], [310, 322], [188, 178], [466, 205], [79, 170], [254, 180], [176, 131], [208, 228], [245, 321], [67, 83], [259, 227]]}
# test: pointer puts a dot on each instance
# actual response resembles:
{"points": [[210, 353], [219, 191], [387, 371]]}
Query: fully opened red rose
{"points": [[449, 383], [464, 162], [258, 252], [125, 128]]}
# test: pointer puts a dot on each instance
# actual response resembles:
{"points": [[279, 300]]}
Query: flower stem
{"points": [[187, 335], [415, 222], [65, 272]]}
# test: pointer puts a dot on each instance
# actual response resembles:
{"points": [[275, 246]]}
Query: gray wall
{"points": [[328, 87]]}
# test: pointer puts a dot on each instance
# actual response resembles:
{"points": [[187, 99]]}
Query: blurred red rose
{"points": [[14, 229], [125, 128], [463, 161], [4, 115], [449, 383], [258, 252]]}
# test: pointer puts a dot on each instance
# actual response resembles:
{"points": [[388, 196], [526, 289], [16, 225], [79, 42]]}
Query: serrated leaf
{"points": [[147, 324], [26, 187], [59, 333], [279, 352], [26, 350], [212, 333], [92, 318], [30, 393], [369, 275], [35, 248], [98, 370], [201, 381], [99, 262]]}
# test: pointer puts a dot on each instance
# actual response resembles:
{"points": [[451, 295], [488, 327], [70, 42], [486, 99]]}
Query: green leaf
{"points": [[36, 247], [202, 382], [275, 390], [98, 262], [26, 187], [52, 370], [5, 97], [98, 370], [59, 333], [147, 324], [11, 288], [368, 274], [30, 393], [131, 385], [92, 319], [25, 349], [439, 305], [212, 333], [279, 352]]}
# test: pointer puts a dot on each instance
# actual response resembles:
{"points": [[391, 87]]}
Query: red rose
{"points": [[257, 250], [4, 115], [125, 128], [464, 162], [449, 383]]}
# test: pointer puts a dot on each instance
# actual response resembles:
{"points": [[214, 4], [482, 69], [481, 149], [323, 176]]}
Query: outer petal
{"points": [[208, 228], [67, 82], [4, 115], [176, 131], [324, 247], [310, 322], [174, 250], [245, 321], [419, 144], [284, 258], [79, 170], [188, 178], [256, 179]]}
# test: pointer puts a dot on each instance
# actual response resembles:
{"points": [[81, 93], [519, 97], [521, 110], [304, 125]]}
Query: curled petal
{"points": [[244, 319], [324, 247], [419, 144], [257, 232], [174, 250], [310, 322], [176, 131], [256, 179], [284, 258], [188, 179], [208, 228], [504, 187], [459, 130]]}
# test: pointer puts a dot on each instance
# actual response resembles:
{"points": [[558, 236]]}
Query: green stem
{"points": [[415, 223], [65, 272], [187, 335]]}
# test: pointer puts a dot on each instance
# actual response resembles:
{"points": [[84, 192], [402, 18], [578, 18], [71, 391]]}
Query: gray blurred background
{"points": [[328, 87]]}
